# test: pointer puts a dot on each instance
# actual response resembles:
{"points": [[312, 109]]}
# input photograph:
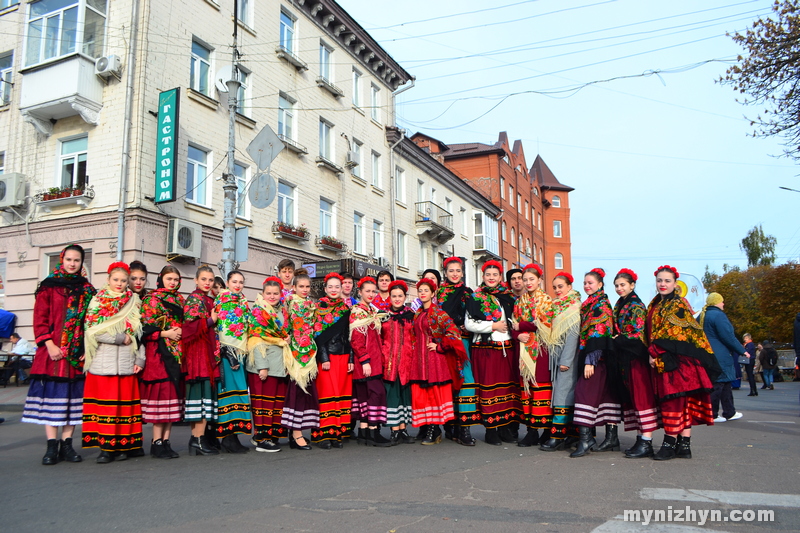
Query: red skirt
{"points": [[431, 405], [594, 403], [161, 402], [335, 392], [498, 384], [537, 406], [266, 405], [112, 415], [642, 412], [684, 396]]}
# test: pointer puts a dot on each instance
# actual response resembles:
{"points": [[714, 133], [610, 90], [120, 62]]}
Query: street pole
{"points": [[228, 262]]}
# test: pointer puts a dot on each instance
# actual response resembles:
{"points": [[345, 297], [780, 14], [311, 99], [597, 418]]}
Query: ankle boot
{"points": [[211, 436], [552, 445], [51, 455], [611, 442], [642, 448], [433, 436], [464, 437], [168, 450], [423, 430], [492, 437], [362, 436], [395, 437], [200, 445], [570, 442], [105, 457], [683, 448], [450, 431], [531, 439], [157, 450], [586, 442], [667, 450], [231, 444], [378, 439], [506, 434], [67, 453], [406, 438]]}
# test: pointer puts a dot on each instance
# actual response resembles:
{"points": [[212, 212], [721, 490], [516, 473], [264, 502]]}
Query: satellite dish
{"points": [[263, 190], [223, 75]]}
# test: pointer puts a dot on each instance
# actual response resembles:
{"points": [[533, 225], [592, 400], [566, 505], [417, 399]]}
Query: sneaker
{"points": [[720, 419], [268, 446], [736, 416]]}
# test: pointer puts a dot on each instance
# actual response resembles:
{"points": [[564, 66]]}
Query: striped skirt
{"points": [[398, 403], [466, 406], [431, 405], [161, 403], [266, 402], [537, 406], [112, 414], [201, 401], [335, 390], [233, 404], [642, 412], [54, 403], [369, 401], [300, 409], [595, 405]]}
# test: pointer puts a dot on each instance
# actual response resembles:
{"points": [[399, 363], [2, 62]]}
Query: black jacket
{"points": [[335, 340]]}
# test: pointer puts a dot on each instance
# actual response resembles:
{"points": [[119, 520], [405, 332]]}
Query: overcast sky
{"points": [[663, 167]]}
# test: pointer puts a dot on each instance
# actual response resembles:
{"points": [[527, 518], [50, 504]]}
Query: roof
{"points": [[470, 149], [545, 177]]}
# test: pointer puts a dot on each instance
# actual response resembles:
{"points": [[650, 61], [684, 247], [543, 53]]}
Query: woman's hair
{"points": [[78, 248], [138, 265], [301, 274], [219, 281], [383, 273], [203, 268], [169, 269], [435, 273], [628, 275], [598, 274], [233, 273]]}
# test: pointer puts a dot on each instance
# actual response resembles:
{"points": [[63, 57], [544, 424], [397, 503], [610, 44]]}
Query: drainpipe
{"points": [[393, 199], [127, 125]]}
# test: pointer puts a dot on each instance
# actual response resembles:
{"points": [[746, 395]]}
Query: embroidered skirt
{"points": [[683, 396], [537, 406], [335, 390], [369, 401], [233, 403], [266, 402], [498, 384], [431, 405], [300, 409], [595, 405], [398, 403], [641, 413], [112, 414], [201, 401], [466, 406], [161, 402], [54, 403]]}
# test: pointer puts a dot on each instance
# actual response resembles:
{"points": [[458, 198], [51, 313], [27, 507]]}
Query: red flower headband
{"points": [[119, 264], [567, 276], [490, 264], [599, 271], [452, 260], [629, 272], [399, 284], [667, 267], [535, 267], [367, 279], [333, 275], [275, 279], [429, 282]]}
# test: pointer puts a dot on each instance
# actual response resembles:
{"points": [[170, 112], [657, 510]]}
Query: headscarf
{"points": [[563, 318], [302, 367], [162, 309], [492, 301], [112, 313], [713, 299], [363, 317], [452, 298], [448, 337], [79, 293], [329, 312], [597, 323], [232, 324]]}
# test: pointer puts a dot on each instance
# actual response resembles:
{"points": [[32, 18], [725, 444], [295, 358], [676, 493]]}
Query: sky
{"points": [[661, 157]]}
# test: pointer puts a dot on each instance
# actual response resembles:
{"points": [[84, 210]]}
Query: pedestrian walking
{"points": [[769, 362], [749, 361]]}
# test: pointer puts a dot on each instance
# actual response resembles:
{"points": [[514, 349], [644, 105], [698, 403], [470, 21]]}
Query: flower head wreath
{"points": [[663, 268]]}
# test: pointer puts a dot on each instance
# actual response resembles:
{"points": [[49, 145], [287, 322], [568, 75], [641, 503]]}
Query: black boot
{"points": [[586, 442], [570, 442], [51, 455], [406, 438], [667, 450], [362, 436], [464, 437], [450, 431], [433, 436], [552, 445], [531, 439], [683, 448], [231, 444], [67, 453], [378, 439], [611, 442], [200, 445], [642, 448], [211, 436], [168, 450], [507, 434], [423, 430], [105, 457], [492, 437], [157, 450], [395, 437]]}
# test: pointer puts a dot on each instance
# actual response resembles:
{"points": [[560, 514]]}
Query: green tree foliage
{"points": [[779, 296], [740, 288], [758, 247], [767, 74]]}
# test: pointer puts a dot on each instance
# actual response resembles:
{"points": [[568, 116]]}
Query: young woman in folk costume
{"points": [[55, 396], [369, 394], [382, 301], [494, 358], [639, 407], [560, 328], [685, 366], [397, 334], [439, 359], [162, 382], [112, 414], [452, 296], [233, 314], [268, 348], [301, 407], [534, 361], [434, 275], [596, 397], [137, 281], [201, 354], [334, 357]]}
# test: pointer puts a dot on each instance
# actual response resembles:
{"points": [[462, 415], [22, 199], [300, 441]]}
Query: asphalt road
{"points": [[440, 488]]}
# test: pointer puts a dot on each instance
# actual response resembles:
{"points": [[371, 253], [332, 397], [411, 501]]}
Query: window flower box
{"points": [[282, 229], [326, 242], [57, 196]]}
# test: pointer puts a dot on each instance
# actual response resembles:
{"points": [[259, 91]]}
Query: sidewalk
{"points": [[12, 398]]}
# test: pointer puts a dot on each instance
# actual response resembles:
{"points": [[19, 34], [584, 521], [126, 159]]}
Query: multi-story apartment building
{"points": [[87, 133]]}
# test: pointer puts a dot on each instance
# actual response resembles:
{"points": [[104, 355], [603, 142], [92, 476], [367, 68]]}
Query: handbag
{"points": [[744, 360]]}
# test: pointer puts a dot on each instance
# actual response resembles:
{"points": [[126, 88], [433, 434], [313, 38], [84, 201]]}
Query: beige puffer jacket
{"points": [[114, 357]]}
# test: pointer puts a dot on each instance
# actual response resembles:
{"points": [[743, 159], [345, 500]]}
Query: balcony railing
{"points": [[288, 56], [293, 145], [326, 84], [434, 222]]}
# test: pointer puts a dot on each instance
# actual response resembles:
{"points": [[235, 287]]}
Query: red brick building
{"points": [[534, 221]]}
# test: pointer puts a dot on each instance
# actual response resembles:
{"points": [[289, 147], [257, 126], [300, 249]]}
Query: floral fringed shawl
{"points": [[302, 367], [111, 313], [329, 314], [531, 309], [269, 326], [232, 324], [446, 334]]}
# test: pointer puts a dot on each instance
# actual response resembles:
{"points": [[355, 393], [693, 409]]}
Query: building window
{"points": [[423, 256], [326, 225], [376, 169], [245, 13], [242, 208], [519, 203], [503, 227], [539, 220], [375, 103], [556, 201], [534, 254], [527, 247], [325, 62], [6, 69], [420, 191], [533, 217], [377, 239], [448, 205], [511, 195], [286, 117], [400, 184], [502, 187], [286, 203], [556, 228], [527, 210], [325, 140], [433, 194], [52, 29], [358, 233], [356, 88], [513, 237], [536, 191], [200, 74], [559, 262], [196, 176], [356, 170], [402, 252], [243, 94], [520, 242], [287, 31], [74, 153], [464, 221]]}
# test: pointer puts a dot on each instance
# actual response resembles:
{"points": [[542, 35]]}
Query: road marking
{"points": [[751, 499], [771, 422], [618, 525]]}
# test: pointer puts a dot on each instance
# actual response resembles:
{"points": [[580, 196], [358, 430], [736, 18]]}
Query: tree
{"points": [[779, 294], [768, 74], [710, 278], [759, 248], [740, 289]]}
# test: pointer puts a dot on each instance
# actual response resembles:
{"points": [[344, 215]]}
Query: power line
{"points": [[450, 16]]}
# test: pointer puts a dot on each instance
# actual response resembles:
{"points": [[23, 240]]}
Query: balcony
{"points": [[57, 197], [326, 84], [292, 145], [434, 223], [65, 88], [485, 248], [330, 244], [283, 230], [288, 56], [326, 163]]}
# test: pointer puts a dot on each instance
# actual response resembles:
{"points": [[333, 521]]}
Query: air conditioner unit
{"points": [[12, 189], [183, 238], [384, 262], [352, 160], [108, 66]]}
